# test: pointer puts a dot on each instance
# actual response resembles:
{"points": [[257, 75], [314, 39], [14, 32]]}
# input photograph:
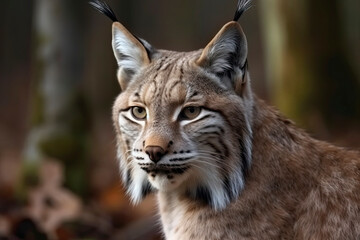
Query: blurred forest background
{"points": [[58, 172]]}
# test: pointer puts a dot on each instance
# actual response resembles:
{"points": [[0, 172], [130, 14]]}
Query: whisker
{"points": [[201, 164], [202, 157], [206, 162]]}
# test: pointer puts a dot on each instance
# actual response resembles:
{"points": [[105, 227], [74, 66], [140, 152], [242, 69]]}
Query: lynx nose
{"points": [[155, 153]]}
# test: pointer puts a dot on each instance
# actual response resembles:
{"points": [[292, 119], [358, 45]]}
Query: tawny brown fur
{"points": [[238, 169], [297, 188]]}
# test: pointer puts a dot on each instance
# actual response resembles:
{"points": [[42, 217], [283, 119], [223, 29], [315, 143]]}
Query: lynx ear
{"points": [[227, 51], [131, 53]]}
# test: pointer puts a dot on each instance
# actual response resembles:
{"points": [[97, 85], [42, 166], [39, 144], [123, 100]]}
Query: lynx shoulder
{"points": [[223, 163]]}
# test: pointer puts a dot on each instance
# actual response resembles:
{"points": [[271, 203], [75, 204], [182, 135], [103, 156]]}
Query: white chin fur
{"points": [[162, 183], [135, 189]]}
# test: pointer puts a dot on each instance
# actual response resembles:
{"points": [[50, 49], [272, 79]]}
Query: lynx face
{"points": [[182, 119]]}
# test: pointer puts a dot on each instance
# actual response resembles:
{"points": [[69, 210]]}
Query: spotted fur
{"points": [[237, 169]]}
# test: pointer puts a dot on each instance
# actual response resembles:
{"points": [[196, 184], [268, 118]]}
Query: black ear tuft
{"points": [[104, 8], [242, 6]]}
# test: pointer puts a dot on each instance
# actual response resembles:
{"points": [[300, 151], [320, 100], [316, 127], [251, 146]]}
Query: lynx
{"points": [[224, 164]]}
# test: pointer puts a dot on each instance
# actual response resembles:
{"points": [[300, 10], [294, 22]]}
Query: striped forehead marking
{"points": [[166, 74]]}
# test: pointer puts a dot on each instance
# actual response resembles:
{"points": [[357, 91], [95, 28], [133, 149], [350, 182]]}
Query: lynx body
{"points": [[223, 163]]}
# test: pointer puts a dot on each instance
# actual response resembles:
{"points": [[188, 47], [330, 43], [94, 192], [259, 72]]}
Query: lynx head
{"points": [[183, 119]]}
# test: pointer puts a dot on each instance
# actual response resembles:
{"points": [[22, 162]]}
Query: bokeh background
{"points": [[58, 172]]}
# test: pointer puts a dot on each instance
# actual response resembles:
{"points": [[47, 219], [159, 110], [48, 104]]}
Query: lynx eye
{"points": [[138, 113], [189, 113]]}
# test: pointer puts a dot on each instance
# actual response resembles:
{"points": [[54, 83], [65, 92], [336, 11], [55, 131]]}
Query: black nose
{"points": [[155, 153]]}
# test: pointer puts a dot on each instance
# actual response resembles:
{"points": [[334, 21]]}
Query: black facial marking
{"points": [[165, 67], [172, 165], [128, 179], [203, 118], [214, 147], [220, 129], [128, 119], [193, 95], [146, 189], [228, 188], [203, 194], [212, 133], [244, 156], [145, 169], [224, 146], [179, 159], [179, 170], [181, 71], [161, 63], [144, 164]]}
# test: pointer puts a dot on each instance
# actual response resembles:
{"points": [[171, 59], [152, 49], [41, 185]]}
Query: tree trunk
{"points": [[310, 76], [58, 119]]}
